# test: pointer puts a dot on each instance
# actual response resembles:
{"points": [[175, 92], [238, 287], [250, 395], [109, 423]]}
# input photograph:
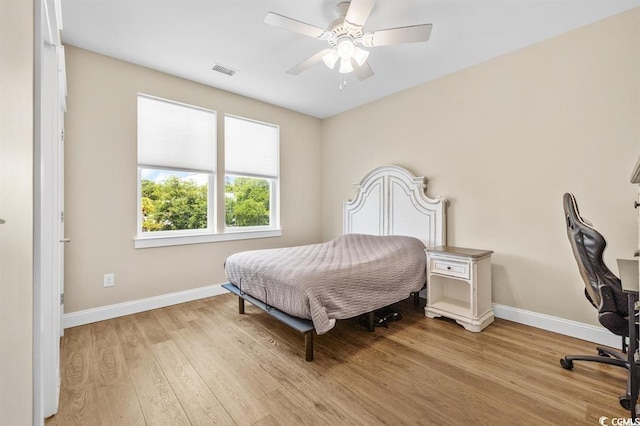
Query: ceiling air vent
{"points": [[224, 70]]}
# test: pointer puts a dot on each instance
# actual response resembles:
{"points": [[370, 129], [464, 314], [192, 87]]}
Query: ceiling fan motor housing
{"points": [[341, 28]]}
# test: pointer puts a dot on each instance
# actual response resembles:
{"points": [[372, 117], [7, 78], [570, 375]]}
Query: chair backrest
{"points": [[602, 287]]}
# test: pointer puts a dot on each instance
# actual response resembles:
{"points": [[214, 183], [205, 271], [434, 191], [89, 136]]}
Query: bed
{"points": [[379, 260]]}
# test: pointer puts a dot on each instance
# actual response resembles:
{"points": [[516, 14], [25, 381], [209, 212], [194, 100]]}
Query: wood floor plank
{"points": [[243, 407], [80, 406], [113, 383], [132, 342], [107, 359], [172, 318], [78, 392], [121, 404], [76, 362], [199, 403], [151, 328], [237, 363], [287, 409], [184, 363], [268, 421], [157, 399]]}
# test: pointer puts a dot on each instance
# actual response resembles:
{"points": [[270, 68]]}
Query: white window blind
{"points": [[175, 136], [251, 148]]}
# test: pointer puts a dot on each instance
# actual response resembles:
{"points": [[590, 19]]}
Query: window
{"points": [[251, 174], [176, 168], [177, 200]]}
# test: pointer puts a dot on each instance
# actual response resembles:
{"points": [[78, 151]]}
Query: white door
{"points": [[49, 211], [62, 239], [52, 225]]}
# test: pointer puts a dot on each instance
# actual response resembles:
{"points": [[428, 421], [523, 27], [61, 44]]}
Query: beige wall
{"points": [[101, 174], [16, 206], [502, 141]]}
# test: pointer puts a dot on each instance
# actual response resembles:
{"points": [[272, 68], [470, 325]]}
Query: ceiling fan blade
{"points": [[363, 71], [308, 63], [358, 12], [293, 25], [411, 34]]}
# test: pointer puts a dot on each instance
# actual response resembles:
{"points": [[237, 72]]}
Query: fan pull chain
{"points": [[343, 81]]}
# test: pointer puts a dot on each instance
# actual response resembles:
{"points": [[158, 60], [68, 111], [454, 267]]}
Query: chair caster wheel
{"points": [[625, 402], [567, 364]]}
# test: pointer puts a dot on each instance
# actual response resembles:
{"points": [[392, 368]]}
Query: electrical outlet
{"points": [[109, 280]]}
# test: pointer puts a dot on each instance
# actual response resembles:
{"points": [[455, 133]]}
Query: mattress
{"points": [[343, 278]]}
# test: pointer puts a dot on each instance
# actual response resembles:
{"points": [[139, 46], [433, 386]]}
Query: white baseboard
{"points": [[88, 316], [590, 333]]}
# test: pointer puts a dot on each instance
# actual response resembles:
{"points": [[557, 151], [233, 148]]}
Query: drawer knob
{"points": [[636, 204], [449, 267]]}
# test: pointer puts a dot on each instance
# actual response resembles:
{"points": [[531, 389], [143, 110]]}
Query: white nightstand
{"points": [[459, 286]]}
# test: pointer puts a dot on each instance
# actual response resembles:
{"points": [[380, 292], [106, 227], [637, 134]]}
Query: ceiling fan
{"points": [[345, 36]]}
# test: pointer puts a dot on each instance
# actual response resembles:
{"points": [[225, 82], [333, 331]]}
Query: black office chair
{"points": [[602, 288]]}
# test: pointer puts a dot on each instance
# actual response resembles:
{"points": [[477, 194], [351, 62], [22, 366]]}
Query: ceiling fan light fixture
{"points": [[330, 58], [360, 55], [346, 48], [345, 66]]}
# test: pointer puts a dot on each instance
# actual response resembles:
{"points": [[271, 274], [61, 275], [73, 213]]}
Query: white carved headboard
{"points": [[391, 200]]}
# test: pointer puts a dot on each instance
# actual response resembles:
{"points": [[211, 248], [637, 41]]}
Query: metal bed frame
{"points": [[301, 325]]}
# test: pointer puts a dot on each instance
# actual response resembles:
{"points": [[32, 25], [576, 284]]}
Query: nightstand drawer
{"points": [[453, 268]]}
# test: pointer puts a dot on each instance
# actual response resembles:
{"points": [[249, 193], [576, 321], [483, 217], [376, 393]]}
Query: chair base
{"points": [[605, 356]]}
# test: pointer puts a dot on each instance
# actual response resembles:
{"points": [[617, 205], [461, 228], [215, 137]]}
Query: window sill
{"points": [[177, 240]]}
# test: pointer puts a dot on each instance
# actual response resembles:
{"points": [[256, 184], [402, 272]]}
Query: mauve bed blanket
{"points": [[349, 276]]}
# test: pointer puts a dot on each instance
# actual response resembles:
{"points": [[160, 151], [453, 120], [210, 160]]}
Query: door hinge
{"points": [[62, 298], [62, 135], [61, 217]]}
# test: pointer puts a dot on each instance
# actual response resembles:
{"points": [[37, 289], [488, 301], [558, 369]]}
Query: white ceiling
{"points": [[187, 38]]}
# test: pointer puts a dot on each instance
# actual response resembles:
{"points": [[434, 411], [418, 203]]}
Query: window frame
{"points": [[274, 184], [215, 231]]}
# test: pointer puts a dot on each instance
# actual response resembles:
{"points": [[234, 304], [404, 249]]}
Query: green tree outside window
{"points": [[173, 204], [178, 204], [246, 201]]}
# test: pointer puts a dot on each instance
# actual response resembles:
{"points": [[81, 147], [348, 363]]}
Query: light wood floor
{"points": [[202, 363]]}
